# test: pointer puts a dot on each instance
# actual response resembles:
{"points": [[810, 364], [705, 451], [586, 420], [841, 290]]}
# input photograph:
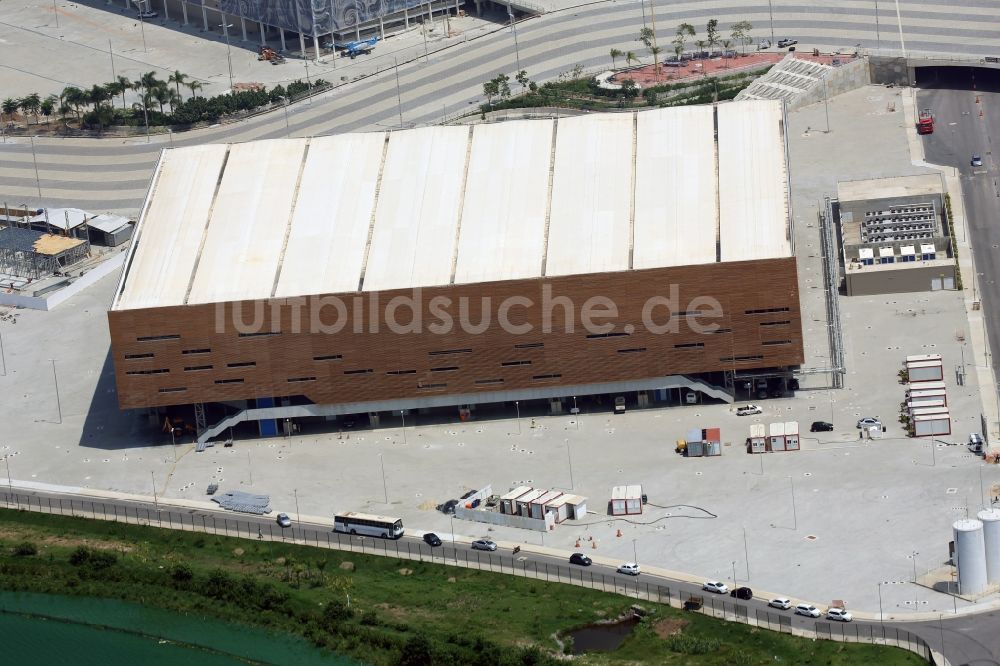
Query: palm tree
{"points": [[124, 84], [630, 58], [655, 51], [98, 95], [9, 107], [75, 98], [161, 94], [685, 30], [175, 100], [615, 54], [178, 79], [725, 51], [700, 43], [47, 106], [30, 104], [194, 86]]}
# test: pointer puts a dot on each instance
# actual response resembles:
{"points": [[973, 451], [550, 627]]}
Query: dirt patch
{"points": [[15, 535], [451, 579], [405, 572], [427, 506], [280, 561], [238, 552], [347, 566], [669, 627]]}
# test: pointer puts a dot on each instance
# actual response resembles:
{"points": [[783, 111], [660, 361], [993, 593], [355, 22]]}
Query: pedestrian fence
{"points": [[646, 589]]}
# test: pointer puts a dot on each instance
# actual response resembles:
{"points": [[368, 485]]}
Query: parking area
{"points": [[843, 518]]}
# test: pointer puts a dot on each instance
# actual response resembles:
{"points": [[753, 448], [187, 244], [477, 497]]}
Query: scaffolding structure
{"points": [[31, 254]]}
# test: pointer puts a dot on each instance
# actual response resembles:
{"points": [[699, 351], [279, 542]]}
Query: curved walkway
{"points": [[111, 174]]}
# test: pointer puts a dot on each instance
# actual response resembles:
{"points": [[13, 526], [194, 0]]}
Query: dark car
{"points": [[821, 426], [793, 384], [742, 593], [432, 539], [449, 506], [581, 559]]}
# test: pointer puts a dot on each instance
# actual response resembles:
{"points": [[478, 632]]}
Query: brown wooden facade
{"points": [[196, 353]]}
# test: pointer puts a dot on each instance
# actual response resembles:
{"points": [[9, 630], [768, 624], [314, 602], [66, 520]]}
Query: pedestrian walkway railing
{"points": [[519, 564]]}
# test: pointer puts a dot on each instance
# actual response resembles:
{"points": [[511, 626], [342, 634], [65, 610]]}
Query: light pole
{"points": [[250, 467], [156, 503], [385, 488], [55, 12], [746, 551], [513, 28], [517, 406], [38, 181], [3, 358], [913, 556], [298, 516], [635, 552], [880, 616], [142, 29], [569, 459], [576, 412], [899, 22], [10, 484], [229, 55], [826, 105], [309, 98], [878, 34], [288, 131], [770, 11], [55, 378], [399, 98], [795, 517], [454, 548], [402, 415]]}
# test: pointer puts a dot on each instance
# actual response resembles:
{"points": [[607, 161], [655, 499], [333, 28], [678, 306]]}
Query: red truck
{"points": [[925, 122]]}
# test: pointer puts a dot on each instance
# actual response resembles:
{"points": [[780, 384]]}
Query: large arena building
{"points": [[457, 266]]}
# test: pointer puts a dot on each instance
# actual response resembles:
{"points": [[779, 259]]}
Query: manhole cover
{"points": [[951, 491], [697, 473], [811, 537], [808, 474]]}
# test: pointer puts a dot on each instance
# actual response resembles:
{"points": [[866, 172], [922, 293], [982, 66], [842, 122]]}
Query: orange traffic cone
{"points": [[593, 544], [619, 533]]}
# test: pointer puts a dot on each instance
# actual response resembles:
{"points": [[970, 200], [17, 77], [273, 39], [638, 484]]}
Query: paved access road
{"points": [[112, 174], [966, 639], [960, 132]]}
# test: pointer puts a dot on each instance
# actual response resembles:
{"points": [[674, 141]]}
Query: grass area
{"points": [[400, 611]]}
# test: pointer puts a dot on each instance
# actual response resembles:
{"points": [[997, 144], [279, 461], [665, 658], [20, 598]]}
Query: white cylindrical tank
{"points": [[970, 556], [991, 539]]}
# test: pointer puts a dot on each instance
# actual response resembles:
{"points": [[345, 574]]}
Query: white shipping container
{"points": [[926, 426]]}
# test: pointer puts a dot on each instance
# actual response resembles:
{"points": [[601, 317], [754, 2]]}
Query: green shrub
{"points": [[684, 644], [25, 549], [80, 556], [181, 573]]}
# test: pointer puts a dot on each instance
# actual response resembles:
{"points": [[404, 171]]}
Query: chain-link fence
{"points": [[193, 520]]}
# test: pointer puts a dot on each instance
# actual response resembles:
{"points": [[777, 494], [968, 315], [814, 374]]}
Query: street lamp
{"points": [[569, 459], [576, 413], [795, 517], [298, 516], [913, 556], [402, 415], [385, 488], [513, 28], [156, 503], [880, 616], [635, 552], [55, 378], [454, 548], [229, 55], [517, 406]]}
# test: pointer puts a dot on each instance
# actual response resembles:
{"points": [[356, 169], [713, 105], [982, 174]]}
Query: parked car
{"points": [[782, 43], [821, 426], [780, 602], [284, 520], [976, 443], [869, 422], [449, 506], [839, 614], [630, 568], [715, 586], [808, 610], [763, 44], [146, 14], [432, 539], [977, 160], [581, 559], [748, 410], [742, 593], [483, 544]]}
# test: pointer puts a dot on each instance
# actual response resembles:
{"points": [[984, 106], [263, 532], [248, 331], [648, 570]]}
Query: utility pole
{"points": [[826, 105], [569, 459], [770, 11], [38, 181], [385, 488], [878, 34], [111, 54], [795, 518], [746, 551], [3, 358]]}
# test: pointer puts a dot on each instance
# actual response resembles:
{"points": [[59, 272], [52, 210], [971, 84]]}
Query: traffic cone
{"points": [[977, 99], [577, 544], [593, 544], [619, 533]]}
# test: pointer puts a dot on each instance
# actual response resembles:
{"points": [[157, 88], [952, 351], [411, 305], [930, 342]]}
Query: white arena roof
{"points": [[462, 204]]}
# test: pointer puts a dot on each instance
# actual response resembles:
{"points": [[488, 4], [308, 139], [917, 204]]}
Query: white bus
{"points": [[368, 525]]}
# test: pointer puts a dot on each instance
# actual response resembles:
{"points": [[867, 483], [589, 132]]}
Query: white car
{"points": [[715, 586], [780, 602], [839, 614], [484, 544], [808, 610], [869, 422], [630, 568], [748, 410]]}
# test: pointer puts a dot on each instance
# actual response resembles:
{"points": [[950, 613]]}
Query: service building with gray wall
{"points": [[894, 235]]}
